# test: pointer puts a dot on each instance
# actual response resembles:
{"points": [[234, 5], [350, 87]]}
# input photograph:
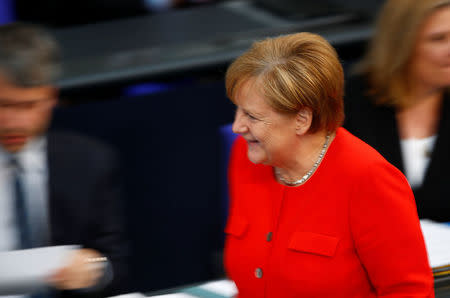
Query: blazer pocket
{"points": [[236, 226], [314, 243]]}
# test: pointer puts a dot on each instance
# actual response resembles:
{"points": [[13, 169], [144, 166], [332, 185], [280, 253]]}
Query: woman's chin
{"points": [[256, 158]]}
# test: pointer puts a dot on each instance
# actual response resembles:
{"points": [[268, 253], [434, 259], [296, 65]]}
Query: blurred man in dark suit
{"points": [[55, 189]]}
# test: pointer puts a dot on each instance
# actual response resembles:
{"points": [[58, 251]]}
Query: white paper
{"points": [[176, 295], [129, 295], [225, 288], [437, 241], [26, 271]]}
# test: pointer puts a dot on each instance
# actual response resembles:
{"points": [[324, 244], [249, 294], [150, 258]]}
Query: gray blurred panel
{"points": [[169, 28], [185, 40], [442, 286]]}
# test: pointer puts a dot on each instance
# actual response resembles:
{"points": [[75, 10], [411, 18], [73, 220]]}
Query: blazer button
{"points": [[269, 237], [258, 273]]}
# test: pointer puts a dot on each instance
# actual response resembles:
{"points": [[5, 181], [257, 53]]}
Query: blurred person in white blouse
{"points": [[398, 101]]}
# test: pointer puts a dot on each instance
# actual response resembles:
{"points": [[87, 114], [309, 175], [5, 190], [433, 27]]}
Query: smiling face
{"points": [[270, 135], [24, 113], [430, 61]]}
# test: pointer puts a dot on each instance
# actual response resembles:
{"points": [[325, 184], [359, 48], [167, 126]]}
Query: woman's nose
{"points": [[239, 125]]}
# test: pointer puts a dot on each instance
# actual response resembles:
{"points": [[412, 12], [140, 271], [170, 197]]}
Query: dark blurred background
{"points": [[148, 78]]}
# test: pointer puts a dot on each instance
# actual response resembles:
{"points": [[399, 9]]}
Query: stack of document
{"points": [[27, 271], [216, 289], [437, 241]]}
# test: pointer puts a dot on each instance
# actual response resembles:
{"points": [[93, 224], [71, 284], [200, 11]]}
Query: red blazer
{"points": [[351, 230]]}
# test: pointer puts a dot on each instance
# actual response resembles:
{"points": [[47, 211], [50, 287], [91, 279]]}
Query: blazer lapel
{"points": [[388, 138], [441, 151], [58, 220], [51, 186]]}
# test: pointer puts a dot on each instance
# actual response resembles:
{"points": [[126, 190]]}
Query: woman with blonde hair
{"points": [[398, 101], [315, 212]]}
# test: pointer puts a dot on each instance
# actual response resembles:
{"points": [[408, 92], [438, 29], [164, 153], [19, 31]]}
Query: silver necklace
{"points": [[310, 172]]}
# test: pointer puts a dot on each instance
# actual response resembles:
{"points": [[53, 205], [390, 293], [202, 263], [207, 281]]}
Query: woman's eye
{"points": [[251, 116], [437, 37]]}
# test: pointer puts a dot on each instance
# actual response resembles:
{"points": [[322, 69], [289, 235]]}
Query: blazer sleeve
{"points": [[107, 233], [387, 234]]}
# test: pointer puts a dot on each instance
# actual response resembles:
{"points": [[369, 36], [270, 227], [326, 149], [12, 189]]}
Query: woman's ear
{"points": [[303, 121]]}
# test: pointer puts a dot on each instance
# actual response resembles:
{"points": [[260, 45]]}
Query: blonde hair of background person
{"points": [[392, 47], [399, 100], [313, 79]]}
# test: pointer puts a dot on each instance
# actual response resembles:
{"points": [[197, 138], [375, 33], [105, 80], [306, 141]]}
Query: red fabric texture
{"points": [[351, 230]]}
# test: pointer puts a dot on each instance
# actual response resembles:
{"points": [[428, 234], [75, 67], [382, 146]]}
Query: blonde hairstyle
{"points": [[294, 71], [392, 46]]}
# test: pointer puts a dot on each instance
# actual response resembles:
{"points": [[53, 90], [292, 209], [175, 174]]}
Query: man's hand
{"points": [[82, 270]]}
